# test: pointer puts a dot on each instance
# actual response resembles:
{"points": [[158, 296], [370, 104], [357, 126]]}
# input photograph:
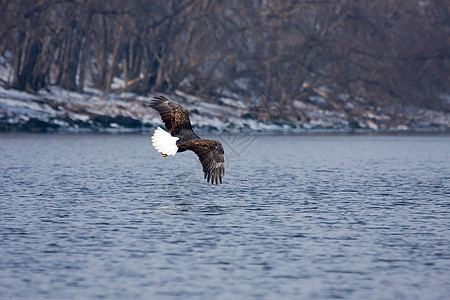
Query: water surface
{"points": [[304, 217]]}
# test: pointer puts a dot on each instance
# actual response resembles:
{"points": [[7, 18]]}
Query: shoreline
{"points": [[58, 110]]}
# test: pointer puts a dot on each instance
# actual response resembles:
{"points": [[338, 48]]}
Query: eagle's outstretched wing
{"points": [[210, 153], [174, 116]]}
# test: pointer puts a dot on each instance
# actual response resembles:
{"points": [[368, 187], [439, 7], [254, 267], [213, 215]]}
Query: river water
{"points": [[86, 216]]}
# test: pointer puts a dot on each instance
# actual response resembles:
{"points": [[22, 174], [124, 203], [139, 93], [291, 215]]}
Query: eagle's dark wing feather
{"points": [[174, 116], [210, 153]]}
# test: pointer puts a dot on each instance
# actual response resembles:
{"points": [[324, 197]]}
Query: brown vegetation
{"points": [[387, 52]]}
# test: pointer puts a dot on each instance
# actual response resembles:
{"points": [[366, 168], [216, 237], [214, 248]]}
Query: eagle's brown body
{"points": [[176, 120]]}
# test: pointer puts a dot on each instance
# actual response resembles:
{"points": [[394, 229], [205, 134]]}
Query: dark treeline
{"points": [[390, 51]]}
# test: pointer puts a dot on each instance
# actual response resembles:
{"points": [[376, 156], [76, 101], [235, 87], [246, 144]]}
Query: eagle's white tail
{"points": [[164, 142]]}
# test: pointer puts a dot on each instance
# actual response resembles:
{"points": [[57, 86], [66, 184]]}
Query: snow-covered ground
{"points": [[56, 109]]}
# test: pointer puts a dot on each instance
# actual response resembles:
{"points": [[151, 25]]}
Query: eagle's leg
{"points": [[164, 155]]}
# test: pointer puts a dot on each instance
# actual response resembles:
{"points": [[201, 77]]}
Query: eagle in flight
{"points": [[181, 137]]}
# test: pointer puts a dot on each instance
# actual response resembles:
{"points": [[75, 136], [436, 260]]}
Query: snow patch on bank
{"points": [[58, 109]]}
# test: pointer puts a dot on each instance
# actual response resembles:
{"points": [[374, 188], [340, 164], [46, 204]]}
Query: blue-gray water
{"points": [[298, 217]]}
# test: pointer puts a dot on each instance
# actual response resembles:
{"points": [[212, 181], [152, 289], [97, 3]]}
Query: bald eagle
{"points": [[181, 137]]}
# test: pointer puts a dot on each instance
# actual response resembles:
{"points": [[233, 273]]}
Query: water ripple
{"points": [[104, 216]]}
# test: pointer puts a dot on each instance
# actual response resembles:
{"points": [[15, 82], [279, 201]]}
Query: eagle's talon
{"points": [[164, 155]]}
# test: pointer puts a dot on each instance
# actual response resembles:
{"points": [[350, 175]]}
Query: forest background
{"points": [[390, 52]]}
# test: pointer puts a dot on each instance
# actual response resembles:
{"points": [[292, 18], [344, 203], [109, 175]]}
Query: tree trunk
{"points": [[25, 75], [114, 60]]}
